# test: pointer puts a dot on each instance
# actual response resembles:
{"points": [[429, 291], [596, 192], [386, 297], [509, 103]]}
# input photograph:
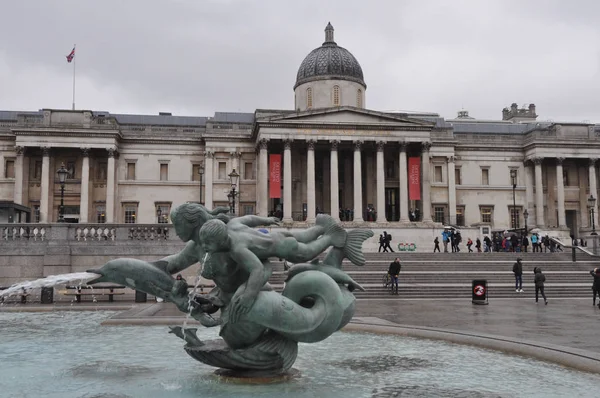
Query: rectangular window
{"points": [[485, 176], [223, 170], [514, 217], [390, 170], [100, 214], [437, 174], [460, 216], [486, 214], [248, 210], [249, 171], [196, 172], [36, 213], [130, 171], [102, 171], [164, 172], [457, 176], [9, 168], [439, 213], [130, 213], [162, 213], [37, 170]]}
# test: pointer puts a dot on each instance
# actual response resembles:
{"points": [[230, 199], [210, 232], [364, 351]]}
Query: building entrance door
{"points": [[392, 204], [571, 218]]}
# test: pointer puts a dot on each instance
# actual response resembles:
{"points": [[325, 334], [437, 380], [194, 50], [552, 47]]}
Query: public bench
{"points": [[23, 295], [94, 291]]}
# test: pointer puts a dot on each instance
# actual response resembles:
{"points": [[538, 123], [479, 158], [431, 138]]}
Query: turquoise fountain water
{"points": [[69, 354]]}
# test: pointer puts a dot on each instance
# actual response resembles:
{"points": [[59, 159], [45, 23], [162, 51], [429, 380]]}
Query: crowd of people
{"points": [[500, 242]]}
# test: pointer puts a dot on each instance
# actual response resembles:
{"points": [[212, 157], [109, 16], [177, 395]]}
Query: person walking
{"points": [[478, 245], [394, 272], [436, 242], [539, 280], [596, 286], [387, 239], [382, 244], [525, 243], [469, 244], [518, 271], [445, 239]]}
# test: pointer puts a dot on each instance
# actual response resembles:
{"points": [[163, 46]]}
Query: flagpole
{"points": [[74, 62]]}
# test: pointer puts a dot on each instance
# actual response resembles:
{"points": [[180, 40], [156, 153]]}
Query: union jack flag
{"points": [[71, 55]]}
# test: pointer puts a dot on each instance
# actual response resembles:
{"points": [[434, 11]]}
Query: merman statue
{"points": [[259, 327]]}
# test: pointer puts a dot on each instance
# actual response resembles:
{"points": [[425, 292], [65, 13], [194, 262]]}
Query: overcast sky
{"points": [[195, 57]]}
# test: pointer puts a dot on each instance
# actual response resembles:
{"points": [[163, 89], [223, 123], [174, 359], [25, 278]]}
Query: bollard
{"points": [[573, 254]]}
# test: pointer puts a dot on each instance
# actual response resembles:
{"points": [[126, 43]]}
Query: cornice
{"points": [[64, 133], [338, 126]]}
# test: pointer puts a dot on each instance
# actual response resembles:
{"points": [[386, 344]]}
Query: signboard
{"points": [[479, 291], [414, 178], [275, 176]]}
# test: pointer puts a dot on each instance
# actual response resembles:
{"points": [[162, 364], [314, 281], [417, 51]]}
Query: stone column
{"points": [[380, 182], [358, 207], [529, 204], [45, 186], [593, 188], [85, 186], [310, 182], [263, 178], [426, 200], [403, 175], [334, 181], [451, 191], [209, 175], [287, 181], [560, 194], [18, 191], [110, 186], [539, 193]]}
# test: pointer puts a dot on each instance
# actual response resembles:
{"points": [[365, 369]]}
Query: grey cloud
{"points": [[197, 57]]}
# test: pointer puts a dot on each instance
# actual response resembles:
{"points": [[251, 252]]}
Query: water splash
{"points": [[50, 281], [192, 294]]}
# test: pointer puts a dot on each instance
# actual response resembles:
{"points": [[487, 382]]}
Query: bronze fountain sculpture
{"points": [[259, 327]]}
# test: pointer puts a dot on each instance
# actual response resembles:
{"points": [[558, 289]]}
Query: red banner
{"points": [[275, 176], [414, 178]]}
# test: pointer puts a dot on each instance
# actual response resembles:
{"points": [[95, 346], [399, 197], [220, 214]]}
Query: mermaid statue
{"points": [[259, 328]]}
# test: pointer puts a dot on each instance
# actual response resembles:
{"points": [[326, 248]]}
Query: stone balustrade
{"points": [[39, 233]]}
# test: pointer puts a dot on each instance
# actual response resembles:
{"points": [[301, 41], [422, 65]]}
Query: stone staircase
{"points": [[449, 275]]}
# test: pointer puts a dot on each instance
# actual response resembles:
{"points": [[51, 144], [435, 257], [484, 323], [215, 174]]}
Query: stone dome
{"points": [[329, 61]]}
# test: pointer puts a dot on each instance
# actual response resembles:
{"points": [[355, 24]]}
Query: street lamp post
{"points": [[513, 213], [525, 216], [233, 178], [62, 177], [158, 215], [592, 204], [201, 172]]}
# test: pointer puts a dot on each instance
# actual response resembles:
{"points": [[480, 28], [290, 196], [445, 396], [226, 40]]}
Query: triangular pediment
{"points": [[348, 115]]}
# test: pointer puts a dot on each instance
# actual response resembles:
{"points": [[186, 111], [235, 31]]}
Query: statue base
{"points": [[257, 377]]}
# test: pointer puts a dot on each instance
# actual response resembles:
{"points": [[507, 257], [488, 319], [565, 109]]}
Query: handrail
{"points": [[584, 250]]}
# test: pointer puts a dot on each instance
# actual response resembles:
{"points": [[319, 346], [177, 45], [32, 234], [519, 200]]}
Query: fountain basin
{"points": [[60, 354]]}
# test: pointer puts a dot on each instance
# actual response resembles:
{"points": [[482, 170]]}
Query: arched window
{"points": [[309, 97], [359, 103], [336, 95]]}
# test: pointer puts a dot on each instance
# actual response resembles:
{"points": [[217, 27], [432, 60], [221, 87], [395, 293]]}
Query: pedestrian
{"points": [[387, 238], [596, 286], [488, 244], [394, 272], [436, 242], [525, 243], [469, 244], [518, 271], [534, 242], [445, 239], [539, 280], [382, 243], [478, 245]]}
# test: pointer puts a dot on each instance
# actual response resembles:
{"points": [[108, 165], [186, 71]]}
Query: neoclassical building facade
{"points": [[329, 154]]}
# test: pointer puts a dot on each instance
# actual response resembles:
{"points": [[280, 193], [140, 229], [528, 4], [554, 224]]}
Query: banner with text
{"points": [[414, 178], [275, 176]]}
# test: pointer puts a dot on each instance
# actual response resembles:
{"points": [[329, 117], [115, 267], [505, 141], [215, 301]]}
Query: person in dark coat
{"points": [[596, 286], [525, 243], [382, 243], [394, 272], [436, 242], [478, 245], [518, 271], [387, 238], [539, 280]]}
